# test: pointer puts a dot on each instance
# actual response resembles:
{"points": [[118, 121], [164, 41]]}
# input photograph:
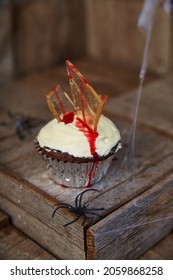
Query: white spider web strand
{"points": [[119, 229]]}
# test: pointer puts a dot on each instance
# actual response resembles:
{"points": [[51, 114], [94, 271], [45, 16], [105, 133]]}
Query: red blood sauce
{"points": [[91, 137], [68, 118]]}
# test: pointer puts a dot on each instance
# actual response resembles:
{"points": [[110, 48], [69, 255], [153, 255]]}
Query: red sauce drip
{"points": [[68, 118], [91, 173], [91, 137]]}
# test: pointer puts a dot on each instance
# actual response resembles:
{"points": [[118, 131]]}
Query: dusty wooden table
{"points": [[137, 196]]}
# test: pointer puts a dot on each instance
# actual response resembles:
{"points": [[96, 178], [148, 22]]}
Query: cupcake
{"points": [[79, 143]]}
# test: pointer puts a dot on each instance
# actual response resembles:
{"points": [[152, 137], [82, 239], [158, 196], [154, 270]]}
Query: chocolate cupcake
{"points": [[79, 144]]}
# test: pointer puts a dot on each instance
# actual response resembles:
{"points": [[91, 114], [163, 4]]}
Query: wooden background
{"points": [[37, 34]]}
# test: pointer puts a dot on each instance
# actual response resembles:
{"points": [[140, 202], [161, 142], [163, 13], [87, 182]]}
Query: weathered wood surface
{"points": [[46, 32], [134, 225], [37, 34], [162, 251], [14, 245], [28, 193], [6, 59], [111, 24], [155, 110]]}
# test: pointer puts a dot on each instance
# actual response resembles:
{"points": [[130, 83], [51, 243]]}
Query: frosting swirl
{"points": [[77, 140]]}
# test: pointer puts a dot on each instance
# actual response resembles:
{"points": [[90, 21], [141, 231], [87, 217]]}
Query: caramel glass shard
{"points": [[87, 102], [59, 103]]}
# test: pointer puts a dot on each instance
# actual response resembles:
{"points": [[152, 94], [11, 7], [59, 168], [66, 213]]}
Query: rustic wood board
{"points": [[133, 225], [6, 55], [111, 25], [14, 245], [162, 251], [29, 195], [52, 27], [155, 110]]}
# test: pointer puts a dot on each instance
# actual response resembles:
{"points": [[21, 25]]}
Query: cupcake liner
{"points": [[76, 175]]}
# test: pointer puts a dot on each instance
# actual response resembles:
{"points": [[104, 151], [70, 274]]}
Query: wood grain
{"points": [[162, 251], [155, 109], [137, 223], [111, 24], [56, 31], [34, 201], [59, 243], [14, 245], [6, 56]]}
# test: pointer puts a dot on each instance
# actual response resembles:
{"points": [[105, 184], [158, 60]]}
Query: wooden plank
{"points": [[56, 31], [155, 109], [117, 195], [129, 230], [165, 248], [45, 256], [162, 251], [4, 220], [151, 255], [110, 26], [8, 240], [6, 52], [57, 243], [14, 245], [29, 250]]}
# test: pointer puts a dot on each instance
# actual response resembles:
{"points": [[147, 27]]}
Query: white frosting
{"points": [[68, 138]]}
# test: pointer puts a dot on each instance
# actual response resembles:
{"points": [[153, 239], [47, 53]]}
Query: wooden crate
{"points": [[138, 209]]}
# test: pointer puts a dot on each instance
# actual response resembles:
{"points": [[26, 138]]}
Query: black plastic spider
{"points": [[79, 208], [21, 123]]}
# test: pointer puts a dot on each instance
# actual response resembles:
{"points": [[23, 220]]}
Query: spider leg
{"points": [[78, 199], [72, 221], [61, 206]]}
